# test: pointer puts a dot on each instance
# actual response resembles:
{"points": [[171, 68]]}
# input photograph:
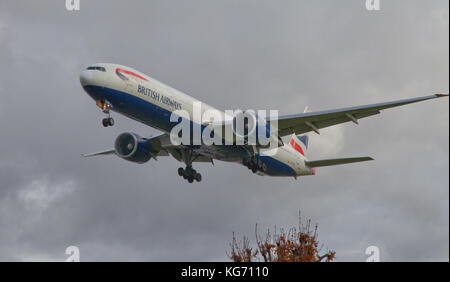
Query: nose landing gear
{"points": [[106, 107]]}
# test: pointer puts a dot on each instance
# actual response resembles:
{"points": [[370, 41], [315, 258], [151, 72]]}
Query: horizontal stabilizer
{"points": [[328, 162], [109, 152]]}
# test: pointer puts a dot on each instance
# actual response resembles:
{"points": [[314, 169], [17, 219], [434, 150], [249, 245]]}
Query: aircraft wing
{"points": [[102, 153], [166, 148], [113, 152], [313, 121]]}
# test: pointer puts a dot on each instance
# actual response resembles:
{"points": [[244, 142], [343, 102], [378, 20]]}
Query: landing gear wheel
{"points": [[259, 163], [189, 171], [190, 179], [198, 177], [110, 121], [180, 171], [264, 167], [254, 164]]}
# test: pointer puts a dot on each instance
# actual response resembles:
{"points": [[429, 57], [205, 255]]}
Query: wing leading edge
{"points": [[313, 121], [108, 152]]}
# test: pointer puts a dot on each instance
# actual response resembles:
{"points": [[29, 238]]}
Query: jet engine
{"points": [[132, 147]]}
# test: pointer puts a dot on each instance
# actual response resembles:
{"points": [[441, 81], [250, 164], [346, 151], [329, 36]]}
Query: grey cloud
{"points": [[230, 54]]}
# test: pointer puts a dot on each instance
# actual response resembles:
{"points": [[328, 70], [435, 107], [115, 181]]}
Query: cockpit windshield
{"points": [[97, 68]]}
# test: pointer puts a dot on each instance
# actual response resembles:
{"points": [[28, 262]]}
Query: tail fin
{"points": [[299, 143]]}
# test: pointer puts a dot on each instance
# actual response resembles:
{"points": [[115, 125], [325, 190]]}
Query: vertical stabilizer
{"points": [[299, 143]]}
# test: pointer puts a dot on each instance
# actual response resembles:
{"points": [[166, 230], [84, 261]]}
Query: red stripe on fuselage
{"points": [[296, 147], [131, 73]]}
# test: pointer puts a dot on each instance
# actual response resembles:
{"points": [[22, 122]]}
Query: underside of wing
{"points": [[180, 153], [164, 148]]}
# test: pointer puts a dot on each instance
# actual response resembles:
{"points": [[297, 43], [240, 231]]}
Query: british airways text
{"points": [[156, 96]]}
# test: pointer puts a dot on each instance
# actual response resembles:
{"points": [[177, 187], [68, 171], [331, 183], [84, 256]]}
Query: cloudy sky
{"points": [[231, 54]]}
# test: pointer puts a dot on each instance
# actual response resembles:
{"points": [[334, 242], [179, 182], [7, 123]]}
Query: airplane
{"points": [[135, 95]]}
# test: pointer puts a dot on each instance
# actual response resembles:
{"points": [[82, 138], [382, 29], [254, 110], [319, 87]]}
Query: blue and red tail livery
{"points": [[299, 143]]}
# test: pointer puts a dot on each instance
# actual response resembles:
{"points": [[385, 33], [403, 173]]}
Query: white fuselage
{"points": [[151, 102]]}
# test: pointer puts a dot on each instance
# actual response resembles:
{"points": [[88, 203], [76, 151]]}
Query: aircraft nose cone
{"points": [[85, 77]]}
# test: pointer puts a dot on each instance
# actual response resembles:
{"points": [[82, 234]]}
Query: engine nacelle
{"points": [[132, 147], [252, 129]]}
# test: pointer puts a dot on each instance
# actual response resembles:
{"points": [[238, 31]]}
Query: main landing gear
{"points": [[254, 164], [106, 107], [189, 173]]}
